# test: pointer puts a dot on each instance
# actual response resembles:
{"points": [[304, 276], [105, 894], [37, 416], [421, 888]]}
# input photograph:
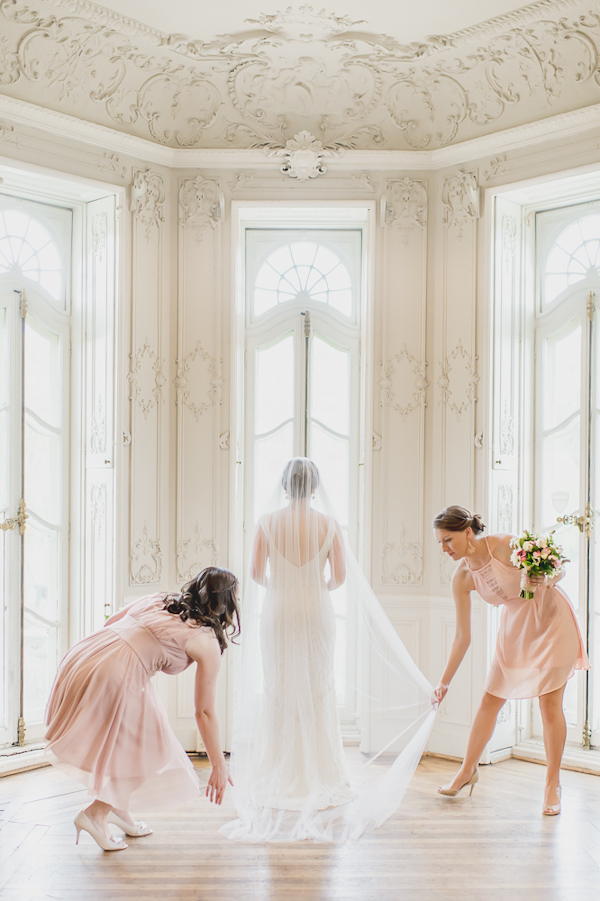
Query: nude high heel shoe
{"points": [[552, 810], [83, 823], [140, 828], [452, 792]]}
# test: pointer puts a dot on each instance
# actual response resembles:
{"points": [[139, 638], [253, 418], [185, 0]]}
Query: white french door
{"points": [[567, 424], [35, 244], [302, 379]]}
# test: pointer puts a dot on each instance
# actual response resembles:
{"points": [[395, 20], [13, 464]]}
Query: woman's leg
{"points": [[481, 732], [97, 812], [555, 735]]}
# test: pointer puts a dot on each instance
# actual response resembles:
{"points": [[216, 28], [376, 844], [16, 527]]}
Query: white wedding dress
{"points": [[314, 638]]}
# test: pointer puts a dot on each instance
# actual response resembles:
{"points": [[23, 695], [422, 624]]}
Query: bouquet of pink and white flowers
{"points": [[538, 557]]}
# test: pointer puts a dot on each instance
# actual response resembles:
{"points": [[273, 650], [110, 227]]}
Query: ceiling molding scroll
{"points": [[301, 70]]}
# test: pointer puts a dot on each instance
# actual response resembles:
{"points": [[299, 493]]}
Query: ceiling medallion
{"points": [[303, 156]]}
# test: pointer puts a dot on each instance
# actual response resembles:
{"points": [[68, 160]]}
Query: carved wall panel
{"points": [[301, 70], [199, 379], [402, 385], [99, 312], [147, 381], [455, 341], [504, 514]]}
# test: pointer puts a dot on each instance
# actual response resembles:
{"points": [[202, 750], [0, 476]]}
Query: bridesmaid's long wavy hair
{"points": [[210, 599]]}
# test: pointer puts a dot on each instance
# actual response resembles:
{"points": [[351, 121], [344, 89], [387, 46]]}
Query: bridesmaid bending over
{"points": [[538, 648], [105, 719]]}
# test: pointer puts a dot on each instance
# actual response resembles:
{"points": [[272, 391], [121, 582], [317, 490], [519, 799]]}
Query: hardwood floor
{"points": [[495, 846]]}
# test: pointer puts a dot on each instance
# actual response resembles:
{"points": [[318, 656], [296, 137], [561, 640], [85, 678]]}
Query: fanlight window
{"points": [[303, 270], [28, 249], [575, 252]]}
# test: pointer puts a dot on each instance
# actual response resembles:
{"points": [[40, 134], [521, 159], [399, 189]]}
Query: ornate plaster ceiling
{"points": [[287, 70]]}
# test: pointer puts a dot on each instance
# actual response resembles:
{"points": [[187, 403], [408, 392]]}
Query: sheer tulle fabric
{"points": [[315, 639]]}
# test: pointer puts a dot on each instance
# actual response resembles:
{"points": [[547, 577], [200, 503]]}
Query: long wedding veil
{"points": [[332, 714]]}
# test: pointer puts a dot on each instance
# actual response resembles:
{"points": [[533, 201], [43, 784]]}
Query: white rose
{"points": [[528, 546]]}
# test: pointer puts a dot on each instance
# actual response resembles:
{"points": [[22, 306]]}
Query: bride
{"points": [[292, 777]]}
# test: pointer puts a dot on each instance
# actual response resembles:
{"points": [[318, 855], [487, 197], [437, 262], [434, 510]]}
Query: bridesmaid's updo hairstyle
{"points": [[210, 600], [458, 519], [300, 478]]}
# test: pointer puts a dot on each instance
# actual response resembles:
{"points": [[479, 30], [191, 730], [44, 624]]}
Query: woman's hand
{"points": [[217, 783], [440, 692]]}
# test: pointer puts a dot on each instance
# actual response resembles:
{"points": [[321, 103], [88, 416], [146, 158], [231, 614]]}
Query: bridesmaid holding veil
{"points": [[105, 720], [293, 778], [538, 648]]}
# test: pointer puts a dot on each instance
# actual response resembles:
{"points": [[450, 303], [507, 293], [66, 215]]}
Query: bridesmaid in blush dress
{"points": [[539, 644], [105, 720]]}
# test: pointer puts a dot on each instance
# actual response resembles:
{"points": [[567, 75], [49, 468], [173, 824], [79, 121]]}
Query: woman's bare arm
{"points": [[204, 649], [462, 585]]}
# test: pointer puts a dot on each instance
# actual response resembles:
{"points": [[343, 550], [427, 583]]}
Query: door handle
{"points": [[16, 521], [582, 522]]}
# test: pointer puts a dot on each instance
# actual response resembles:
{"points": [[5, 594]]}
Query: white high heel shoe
{"points": [[452, 792], [140, 828], [552, 810], [83, 823]]}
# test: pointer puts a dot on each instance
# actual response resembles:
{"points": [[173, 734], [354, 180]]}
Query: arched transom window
{"points": [[303, 270], [28, 249], [573, 255]]}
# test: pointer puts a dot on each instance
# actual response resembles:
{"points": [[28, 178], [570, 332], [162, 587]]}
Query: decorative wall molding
{"points": [[213, 365], [201, 203], [504, 509], [195, 553], [419, 381], [147, 199], [145, 560], [460, 200], [98, 430], [458, 397], [99, 235], [98, 508], [496, 166], [446, 569], [301, 70], [7, 133], [404, 205], [402, 561], [145, 358], [303, 156]]}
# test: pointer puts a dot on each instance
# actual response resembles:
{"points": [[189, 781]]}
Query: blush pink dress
{"points": [[539, 643], [105, 719]]}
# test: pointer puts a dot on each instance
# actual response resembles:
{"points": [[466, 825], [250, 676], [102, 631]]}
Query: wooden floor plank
{"points": [[494, 846]]}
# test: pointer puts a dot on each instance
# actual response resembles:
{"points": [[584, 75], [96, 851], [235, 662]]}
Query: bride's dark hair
{"points": [[210, 599], [300, 477]]}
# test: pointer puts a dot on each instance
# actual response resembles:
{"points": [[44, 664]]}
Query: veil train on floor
{"points": [[332, 714]]}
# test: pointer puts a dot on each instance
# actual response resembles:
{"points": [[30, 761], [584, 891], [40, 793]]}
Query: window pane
{"points": [[274, 390], [575, 252], [331, 456], [271, 455], [41, 577], [330, 385], [42, 372], [42, 470], [41, 646], [562, 376]]}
